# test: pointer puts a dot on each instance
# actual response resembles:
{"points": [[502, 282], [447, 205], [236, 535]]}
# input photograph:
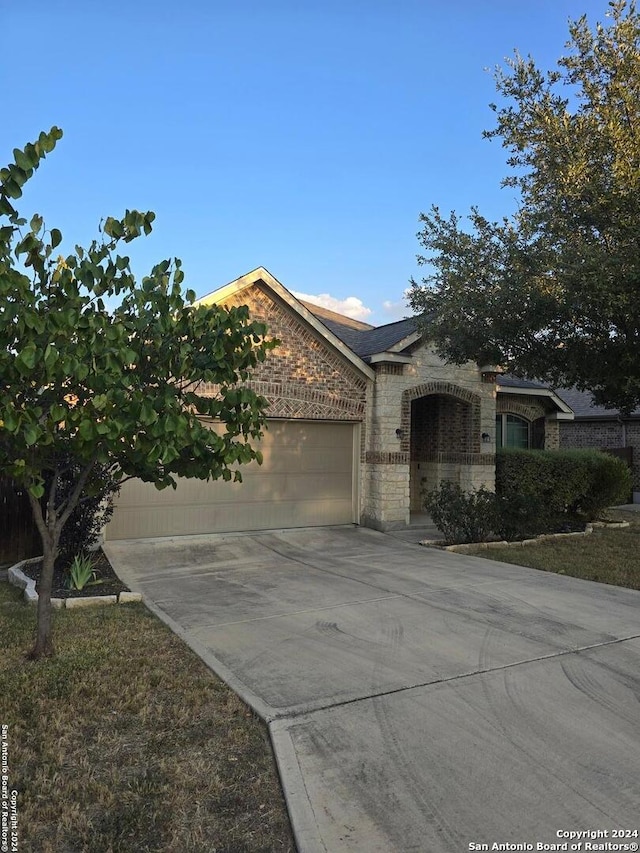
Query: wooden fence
{"points": [[19, 537]]}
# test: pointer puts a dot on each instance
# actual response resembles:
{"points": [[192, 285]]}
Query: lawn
{"points": [[608, 555], [125, 741]]}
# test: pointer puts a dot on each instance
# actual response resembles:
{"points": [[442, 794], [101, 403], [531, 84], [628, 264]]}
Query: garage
{"points": [[308, 478]]}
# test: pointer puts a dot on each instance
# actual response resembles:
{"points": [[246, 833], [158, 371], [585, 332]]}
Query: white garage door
{"points": [[307, 479]]}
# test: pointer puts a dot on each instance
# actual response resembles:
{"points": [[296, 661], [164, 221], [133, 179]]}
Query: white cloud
{"points": [[349, 307], [395, 310]]}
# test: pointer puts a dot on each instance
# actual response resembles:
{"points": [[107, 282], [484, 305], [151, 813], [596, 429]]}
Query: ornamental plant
{"points": [[108, 371]]}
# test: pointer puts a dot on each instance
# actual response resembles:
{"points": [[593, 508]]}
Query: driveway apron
{"points": [[417, 700]]}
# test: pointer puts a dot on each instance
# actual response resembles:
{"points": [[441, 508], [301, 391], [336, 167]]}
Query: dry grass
{"points": [[608, 555], [125, 741]]}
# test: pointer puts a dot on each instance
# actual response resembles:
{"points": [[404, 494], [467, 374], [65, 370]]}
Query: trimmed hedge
{"points": [[580, 483], [537, 491]]}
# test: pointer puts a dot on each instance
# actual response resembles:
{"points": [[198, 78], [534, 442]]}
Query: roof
{"points": [[508, 380], [366, 342], [509, 384], [326, 314], [582, 404], [263, 276]]}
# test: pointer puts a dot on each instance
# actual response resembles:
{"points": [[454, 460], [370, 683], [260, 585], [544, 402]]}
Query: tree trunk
{"points": [[44, 645], [50, 527]]}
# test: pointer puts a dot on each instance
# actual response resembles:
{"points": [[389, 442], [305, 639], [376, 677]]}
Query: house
{"points": [[603, 429], [361, 418]]}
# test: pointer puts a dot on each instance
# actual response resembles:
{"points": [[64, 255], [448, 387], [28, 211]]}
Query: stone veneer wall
{"points": [[605, 434], [389, 489]]}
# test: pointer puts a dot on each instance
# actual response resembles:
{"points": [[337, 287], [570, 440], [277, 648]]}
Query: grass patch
{"points": [[608, 555], [126, 741]]}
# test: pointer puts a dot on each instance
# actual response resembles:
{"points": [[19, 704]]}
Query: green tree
{"points": [[110, 386], [554, 291]]}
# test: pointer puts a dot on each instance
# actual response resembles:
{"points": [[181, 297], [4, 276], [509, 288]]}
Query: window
{"points": [[512, 431]]}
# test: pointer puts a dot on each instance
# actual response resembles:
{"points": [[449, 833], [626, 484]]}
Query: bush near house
{"points": [[537, 491], [93, 511], [462, 516], [560, 484]]}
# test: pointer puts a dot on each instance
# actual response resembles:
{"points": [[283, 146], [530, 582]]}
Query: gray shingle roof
{"points": [[510, 381], [368, 342], [582, 404]]}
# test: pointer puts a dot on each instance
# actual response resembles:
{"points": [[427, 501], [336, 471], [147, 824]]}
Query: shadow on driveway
{"points": [[417, 699]]}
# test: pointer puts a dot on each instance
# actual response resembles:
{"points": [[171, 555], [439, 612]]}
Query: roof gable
{"points": [[262, 276]]}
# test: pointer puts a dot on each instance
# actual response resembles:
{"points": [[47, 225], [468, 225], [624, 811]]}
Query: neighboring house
{"points": [[603, 429], [360, 420]]}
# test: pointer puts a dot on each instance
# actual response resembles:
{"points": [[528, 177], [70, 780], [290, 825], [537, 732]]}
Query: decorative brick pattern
{"points": [[389, 369], [379, 457], [463, 458], [303, 377], [525, 408]]}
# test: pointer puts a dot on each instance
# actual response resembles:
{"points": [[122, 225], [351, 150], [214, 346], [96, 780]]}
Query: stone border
{"points": [[543, 537], [17, 577]]}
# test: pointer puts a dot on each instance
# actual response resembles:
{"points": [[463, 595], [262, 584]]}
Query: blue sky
{"points": [[304, 136]]}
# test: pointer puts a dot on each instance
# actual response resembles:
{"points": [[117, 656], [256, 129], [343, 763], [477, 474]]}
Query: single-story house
{"points": [[360, 420]]}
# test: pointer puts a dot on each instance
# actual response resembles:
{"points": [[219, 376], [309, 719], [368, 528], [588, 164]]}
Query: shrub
{"points": [[462, 516], [539, 489], [609, 483], [521, 517], [94, 509], [81, 572]]}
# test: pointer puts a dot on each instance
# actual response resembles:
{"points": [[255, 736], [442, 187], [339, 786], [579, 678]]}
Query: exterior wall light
{"points": [[486, 438], [399, 434]]}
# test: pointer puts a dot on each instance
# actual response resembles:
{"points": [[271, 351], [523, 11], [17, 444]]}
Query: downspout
{"points": [[623, 424]]}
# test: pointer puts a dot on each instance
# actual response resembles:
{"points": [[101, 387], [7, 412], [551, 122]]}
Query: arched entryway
{"points": [[441, 433]]}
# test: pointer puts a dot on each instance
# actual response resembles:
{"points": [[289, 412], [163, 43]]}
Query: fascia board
{"points": [[390, 357], [561, 416], [537, 392], [405, 342]]}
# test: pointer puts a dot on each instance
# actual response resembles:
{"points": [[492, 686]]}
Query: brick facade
{"points": [[421, 422], [303, 377]]}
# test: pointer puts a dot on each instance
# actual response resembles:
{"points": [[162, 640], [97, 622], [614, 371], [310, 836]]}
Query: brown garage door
{"points": [[306, 480]]}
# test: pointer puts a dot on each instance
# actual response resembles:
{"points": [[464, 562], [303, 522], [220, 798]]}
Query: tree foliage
{"points": [[118, 387], [553, 291]]}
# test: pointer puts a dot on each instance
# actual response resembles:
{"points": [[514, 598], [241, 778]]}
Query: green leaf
{"points": [[36, 223], [37, 490], [12, 189], [31, 433], [6, 208], [28, 355], [56, 238], [86, 430], [11, 420], [22, 160], [50, 356], [57, 412]]}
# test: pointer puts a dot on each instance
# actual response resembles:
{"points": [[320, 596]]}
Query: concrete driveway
{"points": [[417, 700]]}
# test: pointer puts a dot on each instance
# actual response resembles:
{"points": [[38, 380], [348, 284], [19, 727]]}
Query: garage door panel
{"points": [[306, 480]]}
